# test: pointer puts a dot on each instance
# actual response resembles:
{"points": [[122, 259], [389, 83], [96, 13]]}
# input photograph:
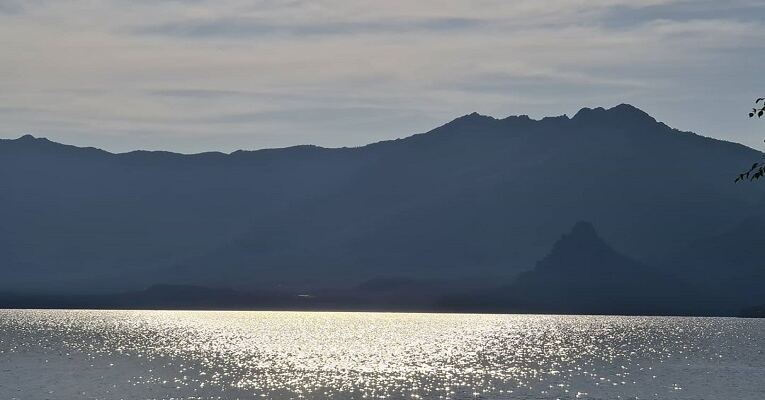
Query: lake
{"points": [[58, 354]]}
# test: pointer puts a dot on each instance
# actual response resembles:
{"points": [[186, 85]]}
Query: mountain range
{"points": [[471, 210]]}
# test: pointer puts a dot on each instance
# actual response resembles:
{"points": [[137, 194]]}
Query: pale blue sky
{"points": [[222, 75]]}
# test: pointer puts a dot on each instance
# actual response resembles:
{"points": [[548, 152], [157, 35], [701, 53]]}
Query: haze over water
{"points": [[290, 355]]}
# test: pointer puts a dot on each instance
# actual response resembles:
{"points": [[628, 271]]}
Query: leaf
{"points": [[760, 99]]}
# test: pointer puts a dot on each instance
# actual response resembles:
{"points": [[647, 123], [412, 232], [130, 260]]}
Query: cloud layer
{"points": [[228, 74]]}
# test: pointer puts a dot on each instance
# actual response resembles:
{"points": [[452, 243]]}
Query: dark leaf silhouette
{"points": [[758, 169]]}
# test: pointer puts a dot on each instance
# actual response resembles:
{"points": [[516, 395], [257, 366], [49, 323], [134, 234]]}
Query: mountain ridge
{"points": [[480, 200], [621, 111]]}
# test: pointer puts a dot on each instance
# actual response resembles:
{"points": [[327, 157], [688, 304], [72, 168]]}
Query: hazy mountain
{"points": [[478, 200], [583, 274], [161, 296], [731, 262]]}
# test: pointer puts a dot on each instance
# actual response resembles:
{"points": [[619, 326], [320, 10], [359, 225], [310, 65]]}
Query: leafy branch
{"points": [[754, 173], [757, 170], [759, 112]]}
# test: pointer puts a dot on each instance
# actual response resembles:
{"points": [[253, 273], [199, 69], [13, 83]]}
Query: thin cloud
{"points": [[625, 16], [253, 27], [197, 93]]}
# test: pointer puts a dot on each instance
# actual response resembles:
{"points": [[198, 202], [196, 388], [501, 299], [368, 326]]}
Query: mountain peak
{"points": [[584, 229], [629, 110], [622, 112], [626, 107], [30, 141], [473, 120], [30, 138], [581, 247], [584, 274], [582, 236], [474, 116]]}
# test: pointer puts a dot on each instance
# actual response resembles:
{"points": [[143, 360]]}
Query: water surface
{"points": [[55, 354]]}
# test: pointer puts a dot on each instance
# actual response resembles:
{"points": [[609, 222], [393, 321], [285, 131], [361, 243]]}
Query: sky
{"points": [[222, 75]]}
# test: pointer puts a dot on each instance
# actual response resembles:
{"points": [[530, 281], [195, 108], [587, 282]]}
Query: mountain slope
{"points": [[478, 198], [731, 262], [583, 274]]}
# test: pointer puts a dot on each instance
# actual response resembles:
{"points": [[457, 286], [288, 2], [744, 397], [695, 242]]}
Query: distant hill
{"points": [[473, 203], [161, 296], [582, 274]]}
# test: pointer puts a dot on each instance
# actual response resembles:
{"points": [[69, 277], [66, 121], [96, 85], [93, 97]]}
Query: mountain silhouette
{"points": [[583, 274], [472, 203]]}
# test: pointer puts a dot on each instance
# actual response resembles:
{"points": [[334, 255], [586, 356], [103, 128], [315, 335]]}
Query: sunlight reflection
{"points": [[376, 355]]}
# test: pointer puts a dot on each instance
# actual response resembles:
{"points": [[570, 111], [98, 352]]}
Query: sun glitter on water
{"points": [[209, 355]]}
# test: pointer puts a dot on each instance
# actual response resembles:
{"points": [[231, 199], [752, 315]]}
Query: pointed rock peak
{"points": [[474, 116], [582, 249], [584, 229], [630, 111], [471, 120], [583, 234], [582, 237]]}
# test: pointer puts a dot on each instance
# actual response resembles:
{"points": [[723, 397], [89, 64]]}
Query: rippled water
{"points": [[231, 355]]}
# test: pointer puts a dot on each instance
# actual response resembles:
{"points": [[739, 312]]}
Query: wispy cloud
{"points": [[625, 15], [249, 27], [198, 93]]}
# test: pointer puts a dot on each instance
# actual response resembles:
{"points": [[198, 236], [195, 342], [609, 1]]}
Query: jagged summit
{"points": [[622, 114], [625, 113], [619, 115]]}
